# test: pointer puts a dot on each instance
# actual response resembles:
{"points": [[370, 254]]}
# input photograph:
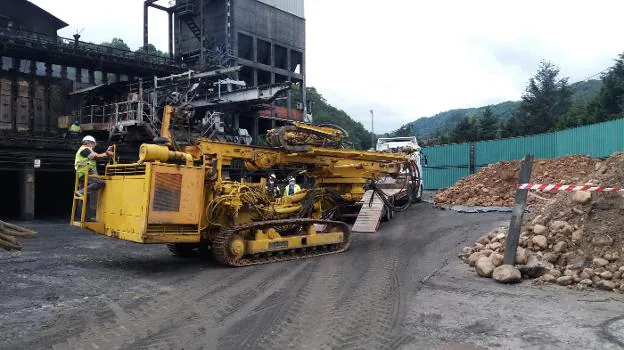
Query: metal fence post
{"points": [[472, 158], [513, 236]]}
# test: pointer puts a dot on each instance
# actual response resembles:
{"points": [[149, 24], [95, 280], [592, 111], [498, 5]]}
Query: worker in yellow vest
{"points": [[85, 162], [74, 130], [291, 188]]}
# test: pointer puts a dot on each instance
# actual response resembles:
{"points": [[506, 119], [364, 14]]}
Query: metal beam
{"points": [[145, 15], [170, 17], [166, 9], [251, 95]]}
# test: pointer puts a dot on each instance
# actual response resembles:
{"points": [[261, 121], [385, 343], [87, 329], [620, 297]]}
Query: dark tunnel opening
{"points": [[53, 194], [10, 203]]}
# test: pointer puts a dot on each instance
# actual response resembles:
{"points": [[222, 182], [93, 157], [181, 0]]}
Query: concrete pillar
{"points": [[27, 194], [255, 76], [254, 45], [104, 77], [236, 121], [1, 62], [64, 72], [117, 77], [255, 130], [91, 77], [78, 77]]}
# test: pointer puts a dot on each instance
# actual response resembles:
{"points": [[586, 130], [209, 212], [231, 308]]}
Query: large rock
{"points": [[539, 229], [577, 236], [561, 226], [506, 274], [602, 240], [581, 197], [549, 278], [534, 267], [540, 241], [605, 285], [565, 280], [559, 247], [555, 272], [607, 275], [521, 256], [484, 267], [551, 257], [586, 282], [483, 240], [496, 259], [472, 260], [587, 273], [600, 262]]}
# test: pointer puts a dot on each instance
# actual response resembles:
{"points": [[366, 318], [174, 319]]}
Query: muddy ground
{"points": [[403, 287]]}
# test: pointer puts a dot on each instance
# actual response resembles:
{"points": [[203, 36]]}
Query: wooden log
{"points": [[5, 244], [18, 233], [9, 238], [16, 228]]}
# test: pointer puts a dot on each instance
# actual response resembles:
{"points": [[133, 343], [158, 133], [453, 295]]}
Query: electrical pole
{"points": [[372, 130]]}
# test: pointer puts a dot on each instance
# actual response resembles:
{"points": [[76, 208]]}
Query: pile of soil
{"points": [[495, 185], [575, 239]]}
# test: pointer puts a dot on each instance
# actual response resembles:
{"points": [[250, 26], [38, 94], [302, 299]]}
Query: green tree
{"points": [[117, 43], [152, 50], [323, 113], [547, 99], [609, 103], [488, 125], [404, 130], [466, 130]]}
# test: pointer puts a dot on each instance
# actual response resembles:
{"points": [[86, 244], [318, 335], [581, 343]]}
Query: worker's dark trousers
{"points": [[93, 185]]}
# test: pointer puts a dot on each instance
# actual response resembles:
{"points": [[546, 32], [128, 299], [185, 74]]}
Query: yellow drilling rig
{"points": [[181, 198]]}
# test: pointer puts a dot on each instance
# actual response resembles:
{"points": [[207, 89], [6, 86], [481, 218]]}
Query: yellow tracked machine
{"points": [[181, 198]]}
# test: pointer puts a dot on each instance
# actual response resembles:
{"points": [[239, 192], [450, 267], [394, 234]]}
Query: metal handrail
{"points": [[65, 44]]}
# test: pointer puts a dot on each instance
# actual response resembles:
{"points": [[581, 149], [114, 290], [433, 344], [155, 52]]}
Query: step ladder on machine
{"points": [[79, 199], [83, 199]]}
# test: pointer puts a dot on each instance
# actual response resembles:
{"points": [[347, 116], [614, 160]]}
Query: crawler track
{"points": [[220, 243]]}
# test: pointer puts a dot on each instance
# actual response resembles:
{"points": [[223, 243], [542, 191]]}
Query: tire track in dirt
{"points": [[210, 319], [137, 322]]}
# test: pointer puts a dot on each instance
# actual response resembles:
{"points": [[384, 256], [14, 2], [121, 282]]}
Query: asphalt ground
{"points": [[403, 287]]}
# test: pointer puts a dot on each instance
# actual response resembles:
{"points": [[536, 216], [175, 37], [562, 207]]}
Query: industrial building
{"points": [[41, 74]]}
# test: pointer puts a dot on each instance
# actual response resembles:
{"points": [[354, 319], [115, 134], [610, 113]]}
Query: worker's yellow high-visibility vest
{"points": [[74, 128], [287, 189], [84, 164]]}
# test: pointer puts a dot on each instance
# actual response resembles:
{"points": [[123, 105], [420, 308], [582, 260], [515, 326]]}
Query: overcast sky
{"points": [[407, 59]]}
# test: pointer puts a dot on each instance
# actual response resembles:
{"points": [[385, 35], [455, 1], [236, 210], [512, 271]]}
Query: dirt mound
{"points": [[495, 185], [576, 238]]}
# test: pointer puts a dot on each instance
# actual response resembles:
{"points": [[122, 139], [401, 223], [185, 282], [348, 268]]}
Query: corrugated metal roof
{"points": [[294, 7]]}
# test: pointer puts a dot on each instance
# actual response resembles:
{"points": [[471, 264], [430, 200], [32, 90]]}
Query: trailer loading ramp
{"points": [[370, 216]]}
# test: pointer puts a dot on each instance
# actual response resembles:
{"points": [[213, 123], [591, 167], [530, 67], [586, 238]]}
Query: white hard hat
{"points": [[272, 176], [88, 138]]}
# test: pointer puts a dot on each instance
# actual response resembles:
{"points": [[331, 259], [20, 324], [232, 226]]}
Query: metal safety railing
{"points": [[57, 43]]}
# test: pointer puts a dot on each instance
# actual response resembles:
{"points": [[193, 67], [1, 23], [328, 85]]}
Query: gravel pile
{"points": [[495, 184], [573, 239]]}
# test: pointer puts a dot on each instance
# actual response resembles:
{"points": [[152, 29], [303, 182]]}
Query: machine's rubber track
{"points": [[222, 238]]}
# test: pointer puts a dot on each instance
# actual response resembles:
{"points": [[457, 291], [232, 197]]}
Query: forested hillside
{"points": [[443, 123], [323, 112]]}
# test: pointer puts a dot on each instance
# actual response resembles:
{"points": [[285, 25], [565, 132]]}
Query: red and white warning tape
{"points": [[558, 187]]}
